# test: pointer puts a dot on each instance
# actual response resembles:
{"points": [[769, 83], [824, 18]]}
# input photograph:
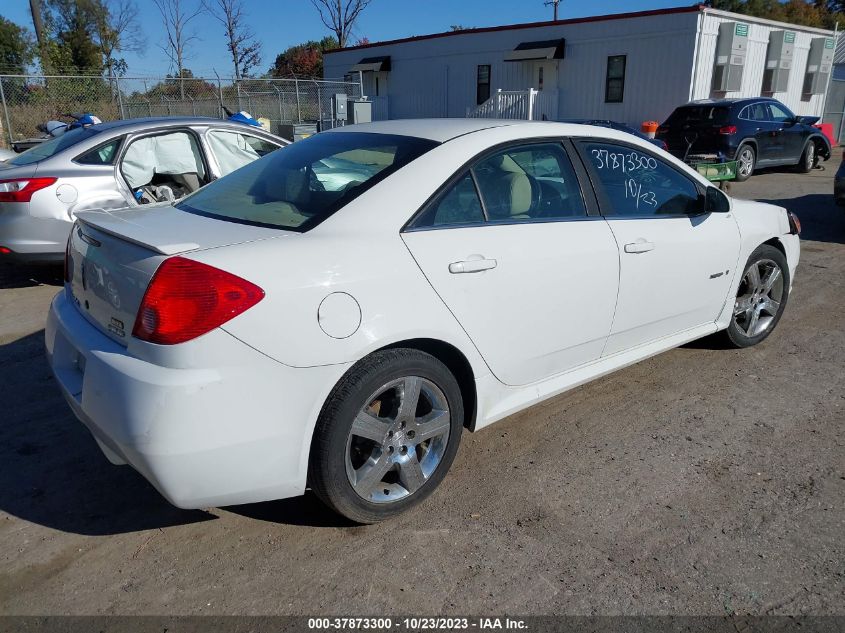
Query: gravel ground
{"points": [[703, 481]]}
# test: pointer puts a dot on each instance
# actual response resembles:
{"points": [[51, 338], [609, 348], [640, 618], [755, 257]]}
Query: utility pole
{"points": [[40, 36], [554, 3]]}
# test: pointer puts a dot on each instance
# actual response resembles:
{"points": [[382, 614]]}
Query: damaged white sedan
{"points": [[334, 315]]}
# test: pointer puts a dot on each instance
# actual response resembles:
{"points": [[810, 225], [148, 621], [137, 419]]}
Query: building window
{"points": [[614, 88], [377, 90], [482, 89], [540, 78]]}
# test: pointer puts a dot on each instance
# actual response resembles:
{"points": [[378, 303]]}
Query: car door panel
{"points": [[547, 304], [530, 276], [675, 266]]}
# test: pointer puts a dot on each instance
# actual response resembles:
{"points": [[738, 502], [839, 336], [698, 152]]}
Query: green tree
{"points": [[303, 60], [818, 13], [17, 49]]}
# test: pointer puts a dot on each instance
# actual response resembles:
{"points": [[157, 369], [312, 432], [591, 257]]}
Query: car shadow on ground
{"points": [[23, 276], [55, 475], [821, 219], [53, 472]]}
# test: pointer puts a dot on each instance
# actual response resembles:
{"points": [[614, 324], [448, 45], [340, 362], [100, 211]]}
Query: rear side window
{"points": [[520, 184], [102, 155], [755, 112], [300, 186], [233, 150], [699, 114], [637, 184]]}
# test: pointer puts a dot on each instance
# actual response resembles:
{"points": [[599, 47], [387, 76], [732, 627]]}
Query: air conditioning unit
{"points": [[779, 57], [819, 64], [731, 50]]}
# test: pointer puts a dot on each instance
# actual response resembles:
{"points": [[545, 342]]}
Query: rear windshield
{"points": [[53, 146], [299, 186], [702, 114]]}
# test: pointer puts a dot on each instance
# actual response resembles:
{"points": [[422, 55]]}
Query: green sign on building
{"points": [[742, 29], [789, 37]]}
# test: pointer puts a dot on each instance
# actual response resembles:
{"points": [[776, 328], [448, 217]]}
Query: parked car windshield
{"points": [[699, 114], [301, 185], [53, 146]]}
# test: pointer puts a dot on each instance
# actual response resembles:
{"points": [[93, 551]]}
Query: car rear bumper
{"points": [[228, 433], [32, 239]]}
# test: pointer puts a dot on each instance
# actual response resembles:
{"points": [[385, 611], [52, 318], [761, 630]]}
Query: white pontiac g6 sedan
{"points": [[335, 314]]}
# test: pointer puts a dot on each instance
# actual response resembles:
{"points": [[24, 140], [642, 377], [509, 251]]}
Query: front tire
{"points": [[746, 160], [387, 435], [808, 159], [761, 297]]}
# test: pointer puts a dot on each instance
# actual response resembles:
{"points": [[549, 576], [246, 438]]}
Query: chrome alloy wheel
{"points": [[759, 297], [746, 162], [397, 440], [810, 156]]}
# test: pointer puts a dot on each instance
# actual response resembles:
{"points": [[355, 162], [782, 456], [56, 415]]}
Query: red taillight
{"points": [[794, 223], [187, 299], [727, 130], [5, 251], [21, 190]]}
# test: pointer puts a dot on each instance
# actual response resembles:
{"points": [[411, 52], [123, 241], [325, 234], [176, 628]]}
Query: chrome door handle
{"points": [[640, 246], [472, 264]]}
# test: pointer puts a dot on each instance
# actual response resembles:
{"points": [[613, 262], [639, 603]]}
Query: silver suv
{"points": [[114, 165]]}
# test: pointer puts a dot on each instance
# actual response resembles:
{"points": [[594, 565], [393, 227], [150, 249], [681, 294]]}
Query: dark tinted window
{"points": [[779, 113], [755, 112], [102, 155], [482, 89], [635, 183], [614, 89], [306, 182], [53, 146], [697, 114], [458, 205]]}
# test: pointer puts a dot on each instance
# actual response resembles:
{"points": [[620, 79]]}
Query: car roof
{"points": [[442, 130], [134, 125], [728, 102]]}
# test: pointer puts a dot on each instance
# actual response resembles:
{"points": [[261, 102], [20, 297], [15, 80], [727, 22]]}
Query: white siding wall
{"points": [[437, 77], [755, 63]]}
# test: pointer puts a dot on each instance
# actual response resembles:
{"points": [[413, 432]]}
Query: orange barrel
{"points": [[649, 128]]}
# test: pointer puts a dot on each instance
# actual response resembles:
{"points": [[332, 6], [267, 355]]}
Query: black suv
{"points": [[756, 132]]}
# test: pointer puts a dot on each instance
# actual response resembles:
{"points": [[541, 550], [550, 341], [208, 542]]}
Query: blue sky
{"points": [[282, 23]]}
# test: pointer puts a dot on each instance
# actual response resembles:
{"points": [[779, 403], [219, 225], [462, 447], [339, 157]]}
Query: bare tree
{"points": [[116, 29], [240, 39], [177, 17], [339, 16]]}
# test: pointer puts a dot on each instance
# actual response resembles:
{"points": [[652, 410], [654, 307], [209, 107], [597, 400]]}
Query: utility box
{"points": [[731, 50], [297, 131], [340, 107], [361, 110], [779, 57], [819, 65]]}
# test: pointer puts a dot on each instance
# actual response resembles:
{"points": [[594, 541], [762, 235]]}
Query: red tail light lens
{"points": [[794, 223], [187, 299], [22, 190], [728, 130]]}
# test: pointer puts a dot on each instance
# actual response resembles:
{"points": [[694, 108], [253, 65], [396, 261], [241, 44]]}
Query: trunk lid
{"points": [[112, 256]]}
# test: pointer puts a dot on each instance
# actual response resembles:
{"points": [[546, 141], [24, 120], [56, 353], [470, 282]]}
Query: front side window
{"points": [[779, 113], [520, 184], [308, 181], [637, 184], [615, 83], [482, 90], [233, 149]]}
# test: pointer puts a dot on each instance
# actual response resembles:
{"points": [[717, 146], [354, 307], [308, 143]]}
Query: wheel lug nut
{"points": [[402, 425], [390, 450], [411, 434], [390, 434], [403, 450]]}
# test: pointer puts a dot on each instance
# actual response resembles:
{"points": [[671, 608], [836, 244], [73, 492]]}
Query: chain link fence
{"points": [[30, 100]]}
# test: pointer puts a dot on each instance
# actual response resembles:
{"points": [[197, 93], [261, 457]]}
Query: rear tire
{"points": [[761, 297], [808, 159], [386, 436], [746, 160]]}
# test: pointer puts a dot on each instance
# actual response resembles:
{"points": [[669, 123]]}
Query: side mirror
{"points": [[715, 201]]}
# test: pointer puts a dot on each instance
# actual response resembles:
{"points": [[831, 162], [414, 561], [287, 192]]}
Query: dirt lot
{"points": [[704, 481]]}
